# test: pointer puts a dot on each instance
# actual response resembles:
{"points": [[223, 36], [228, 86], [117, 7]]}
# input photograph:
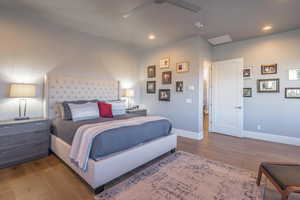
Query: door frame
{"points": [[211, 86]]}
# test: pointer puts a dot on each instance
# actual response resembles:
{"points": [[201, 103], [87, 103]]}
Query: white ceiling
{"points": [[241, 19]]}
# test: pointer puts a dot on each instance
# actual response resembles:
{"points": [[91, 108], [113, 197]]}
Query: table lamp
{"points": [[129, 93], [22, 92]]}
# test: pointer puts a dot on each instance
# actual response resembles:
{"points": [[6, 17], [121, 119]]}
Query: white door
{"points": [[227, 99]]}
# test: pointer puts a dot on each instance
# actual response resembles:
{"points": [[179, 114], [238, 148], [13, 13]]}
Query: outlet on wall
{"points": [[258, 127]]}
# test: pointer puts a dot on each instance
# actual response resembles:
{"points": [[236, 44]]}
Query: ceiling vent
{"points": [[220, 40]]}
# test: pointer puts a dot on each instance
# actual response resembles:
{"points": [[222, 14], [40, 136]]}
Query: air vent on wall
{"points": [[220, 40]]}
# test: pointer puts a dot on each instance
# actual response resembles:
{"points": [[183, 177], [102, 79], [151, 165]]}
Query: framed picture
{"points": [[151, 71], [268, 85], [151, 87], [179, 86], [269, 69], [294, 74], [167, 77], [164, 95], [247, 73], [292, 93], [247, 92], [182, 67], [164, 63]]}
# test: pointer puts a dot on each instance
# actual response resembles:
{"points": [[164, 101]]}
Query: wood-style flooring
{"points": [[50, 179]]}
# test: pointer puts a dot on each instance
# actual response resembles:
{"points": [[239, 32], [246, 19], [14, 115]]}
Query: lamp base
{"points": [[21, 118]]}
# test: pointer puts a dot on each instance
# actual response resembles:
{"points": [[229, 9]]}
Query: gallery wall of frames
{"points": [[271, 85], [164, 94]]}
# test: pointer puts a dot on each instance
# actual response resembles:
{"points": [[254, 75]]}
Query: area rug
{"points": [[184, 176]]}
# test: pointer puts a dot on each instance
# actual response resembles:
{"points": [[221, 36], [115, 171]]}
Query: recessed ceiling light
{"points": [[199, 25], [151, 37], [267, 28]]}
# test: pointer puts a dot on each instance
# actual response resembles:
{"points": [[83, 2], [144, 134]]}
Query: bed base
{"points": [[100, 189], [104, 171]]}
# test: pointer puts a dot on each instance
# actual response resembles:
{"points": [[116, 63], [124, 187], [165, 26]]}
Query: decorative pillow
{"points": [[67, 110], [105, 110], [84, 111], [118, 108]]}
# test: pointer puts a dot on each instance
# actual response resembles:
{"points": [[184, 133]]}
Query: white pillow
{"points": [[84, 111], [118, 108]]}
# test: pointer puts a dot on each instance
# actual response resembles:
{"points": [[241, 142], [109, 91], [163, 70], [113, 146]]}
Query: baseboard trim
{"points": [[188, 134], [272, 138]]}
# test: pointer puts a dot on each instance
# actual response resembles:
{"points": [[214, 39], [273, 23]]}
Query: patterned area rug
{"points": [[184, 176]]}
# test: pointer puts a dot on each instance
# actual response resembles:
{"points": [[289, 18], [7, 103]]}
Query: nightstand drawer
{"points": [[23, 128], [138, 112], [11, 140], [23, 152]]}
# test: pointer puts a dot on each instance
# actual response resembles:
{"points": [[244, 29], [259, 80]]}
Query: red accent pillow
{"points": [[105, 110]]}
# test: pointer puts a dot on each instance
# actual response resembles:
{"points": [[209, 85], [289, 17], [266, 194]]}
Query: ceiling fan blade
{"points": [[139, 7], [185, 5]]}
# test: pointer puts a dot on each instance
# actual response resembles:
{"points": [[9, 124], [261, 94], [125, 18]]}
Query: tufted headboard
{"points": [[60, 88]]}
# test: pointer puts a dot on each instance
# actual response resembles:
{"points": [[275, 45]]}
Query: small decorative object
{"points": [[269, 69], [247, 92], [294, 74], [247, 73], [129, 94], [164, 95], [268, 85], [179, 86], [292, 93], [151, 87], [167, 77], [151, 71], [164, 62], [23, 92], [182, 67]]}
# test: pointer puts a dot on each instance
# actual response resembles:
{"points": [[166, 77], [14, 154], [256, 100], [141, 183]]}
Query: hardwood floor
{"points": [[49, 178]]}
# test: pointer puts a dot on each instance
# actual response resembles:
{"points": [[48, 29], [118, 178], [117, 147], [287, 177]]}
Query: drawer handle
{"points": [[5, 127], [40, 123]]}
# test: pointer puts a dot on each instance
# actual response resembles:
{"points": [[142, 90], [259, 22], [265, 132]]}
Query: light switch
{"points": [[191, 87], [188, 100]]}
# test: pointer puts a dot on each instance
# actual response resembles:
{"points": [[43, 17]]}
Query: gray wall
{"points": [[183, 115], [31, 47], [275, 114]]}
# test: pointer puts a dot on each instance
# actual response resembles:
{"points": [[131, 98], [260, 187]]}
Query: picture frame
{"points": [[292, 93], [182, 67], [164, 63], [164, 95], [294, 74], [179, 86], [268, 85], [247, 73], [151, 87], [151, 71], [269, 69], [166, 77], [247, 92]]}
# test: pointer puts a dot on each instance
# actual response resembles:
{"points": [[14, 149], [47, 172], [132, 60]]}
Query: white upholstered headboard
{"points": [[64, 88]]}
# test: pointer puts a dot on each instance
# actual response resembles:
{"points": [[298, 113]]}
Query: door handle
{"points": [[238, 107]]}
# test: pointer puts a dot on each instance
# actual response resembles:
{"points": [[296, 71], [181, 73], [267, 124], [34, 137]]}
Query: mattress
{"points": [[115, 140]]}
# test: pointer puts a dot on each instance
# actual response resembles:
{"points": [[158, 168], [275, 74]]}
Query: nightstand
{"points": [[138, 112], [22, 141]]}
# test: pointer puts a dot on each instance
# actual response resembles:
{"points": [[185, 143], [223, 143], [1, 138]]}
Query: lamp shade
{"points": [[22, 90], [129, 92]]}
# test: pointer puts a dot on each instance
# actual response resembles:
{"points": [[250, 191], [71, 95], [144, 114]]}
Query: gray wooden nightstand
{"points": [[22, 141], [139, 112]]}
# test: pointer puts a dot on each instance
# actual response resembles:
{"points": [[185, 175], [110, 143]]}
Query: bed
{"points": [[110, 156]]}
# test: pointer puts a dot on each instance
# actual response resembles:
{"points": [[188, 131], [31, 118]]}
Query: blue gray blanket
{"points": [[114, 140]]}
